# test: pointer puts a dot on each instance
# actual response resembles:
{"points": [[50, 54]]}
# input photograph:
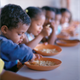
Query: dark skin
{"points": [[8, 75], [50, 19]]}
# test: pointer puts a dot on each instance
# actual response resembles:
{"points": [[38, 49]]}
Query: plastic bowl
{"points": [[44, 68], [39, 47], [67, 43]]}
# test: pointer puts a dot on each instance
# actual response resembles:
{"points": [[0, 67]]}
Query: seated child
{"points": [[36, 31], [65, 21], [57, 20], [50, 20], [14, 23], [66, 18]]}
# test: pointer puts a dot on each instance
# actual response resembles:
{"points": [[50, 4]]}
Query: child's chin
{"points": [[36, 34]]}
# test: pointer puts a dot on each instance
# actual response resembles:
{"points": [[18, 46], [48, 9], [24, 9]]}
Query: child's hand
{"points": [[36, 56], [45, 31], [53, 25]]}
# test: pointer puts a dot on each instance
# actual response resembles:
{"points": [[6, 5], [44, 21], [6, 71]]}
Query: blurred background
{"points": [[72, 5]]}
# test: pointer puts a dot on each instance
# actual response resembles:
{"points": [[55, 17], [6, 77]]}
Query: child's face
{"points": [[50, 17], [36, 25], [17, 34], [65, 17], [57, 19]]}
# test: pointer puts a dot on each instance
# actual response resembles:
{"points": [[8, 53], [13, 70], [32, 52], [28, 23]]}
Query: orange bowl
{"points": [[40, 47], [67, 43], [63, 37], [44, 68]]}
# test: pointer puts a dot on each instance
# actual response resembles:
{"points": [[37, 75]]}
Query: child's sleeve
{"points": [[11, 51]]}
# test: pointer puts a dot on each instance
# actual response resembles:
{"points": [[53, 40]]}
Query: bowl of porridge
{"points": [[44, 64], [47, 50]]}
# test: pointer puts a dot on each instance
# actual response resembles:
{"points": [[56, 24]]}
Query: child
{"points": [[50, 20], [64, 23], [66, 18], [57, 20], [36, 31], [14, 23]]}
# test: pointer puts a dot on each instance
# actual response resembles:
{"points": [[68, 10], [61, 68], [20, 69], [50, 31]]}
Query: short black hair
{"points": [[12, 14], [57, 11], [66, 10], [33, 11], [47, 8]]}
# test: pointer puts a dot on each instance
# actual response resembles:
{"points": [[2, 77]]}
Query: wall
{"points": [[74, 5], [26, 3], [75, 9]]}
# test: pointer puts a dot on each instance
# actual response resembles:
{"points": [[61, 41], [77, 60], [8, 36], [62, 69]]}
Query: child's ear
{"points": [[4, 29]]}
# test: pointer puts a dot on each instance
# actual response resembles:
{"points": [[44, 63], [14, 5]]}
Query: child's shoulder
{"points": [[3, 38]]}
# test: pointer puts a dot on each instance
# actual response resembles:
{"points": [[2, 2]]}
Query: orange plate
{"points": [[67, 43], [45, 68], [48, 46]]}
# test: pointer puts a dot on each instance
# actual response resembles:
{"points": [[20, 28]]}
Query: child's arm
{"points": [[50, 39], [7, 75], [37, 39], [11, 51], [52, 36], [34, 42]]}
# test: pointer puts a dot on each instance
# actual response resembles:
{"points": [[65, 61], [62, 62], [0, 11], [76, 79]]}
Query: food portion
{"points": [[42, 63], [48, 26], [49, 50]]}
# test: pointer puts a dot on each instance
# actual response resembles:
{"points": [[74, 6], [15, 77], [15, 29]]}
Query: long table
{"points": [[68, 70]]}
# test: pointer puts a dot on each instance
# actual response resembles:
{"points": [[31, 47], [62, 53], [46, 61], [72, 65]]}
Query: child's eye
{"points": [[46, 18], [19, 34], [52, 19], [38, 24]]}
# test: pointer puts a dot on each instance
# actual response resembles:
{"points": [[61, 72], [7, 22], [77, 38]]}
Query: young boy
{"points": [[14, 23]]}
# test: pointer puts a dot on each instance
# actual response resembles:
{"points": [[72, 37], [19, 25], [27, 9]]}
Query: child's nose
{"points": [[41, 27], [22, 36]]}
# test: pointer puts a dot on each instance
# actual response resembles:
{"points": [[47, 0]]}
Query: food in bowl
{"points": [[42, 63], [49, 50]]}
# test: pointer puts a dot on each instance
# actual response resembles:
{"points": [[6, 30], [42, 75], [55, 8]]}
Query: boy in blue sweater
{"points": [[14, 23]]}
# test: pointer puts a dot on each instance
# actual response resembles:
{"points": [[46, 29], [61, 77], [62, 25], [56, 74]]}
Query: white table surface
{"points": [[68, 70]]}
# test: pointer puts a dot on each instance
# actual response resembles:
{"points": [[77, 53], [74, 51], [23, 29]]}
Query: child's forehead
{"points": [[66, 14], [48, 11], [22, 26], [39, 17]]}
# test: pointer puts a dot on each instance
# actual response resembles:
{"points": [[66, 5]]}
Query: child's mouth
{"points": [[19, 41]]}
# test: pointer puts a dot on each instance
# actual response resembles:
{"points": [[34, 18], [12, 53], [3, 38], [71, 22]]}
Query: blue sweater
{"points": [[11, 52]]}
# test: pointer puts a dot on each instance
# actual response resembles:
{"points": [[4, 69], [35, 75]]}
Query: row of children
{"points": [[22, 30]]}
